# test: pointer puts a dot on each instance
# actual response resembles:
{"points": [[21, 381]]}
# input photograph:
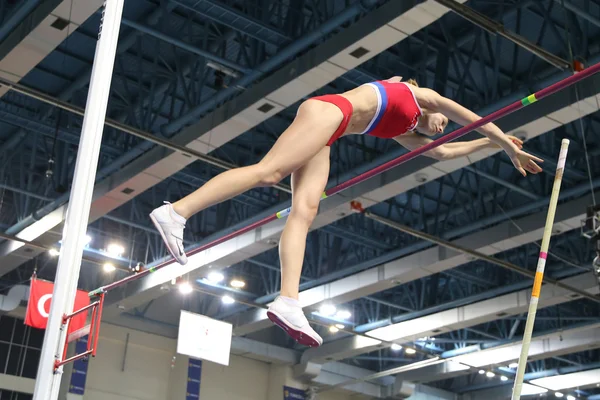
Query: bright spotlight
{"points": [[396, 347], [115, 250], [327, 310], [558, 394], [340, 326], [88, 240], [481, 372], [333, 329], [513, 365], [503, 378], [215, 277], [237, 283], [570, 397], [227, 300], [410, 351], [344, 315], [108, 267], [490, 374], [185, 288], [53, 252]]}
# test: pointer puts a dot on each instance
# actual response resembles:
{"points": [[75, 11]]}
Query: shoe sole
{"points": [[164, 238], [299, 336]]}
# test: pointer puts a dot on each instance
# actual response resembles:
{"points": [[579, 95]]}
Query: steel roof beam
{"points": [[234, 19], [542, 347], [56, 208], [448, 321], [298, 46], [579, 12], [560, 382], [183, 45]]}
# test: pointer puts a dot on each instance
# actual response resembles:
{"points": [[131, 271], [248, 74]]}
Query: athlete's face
{"points": [[432, 124]]}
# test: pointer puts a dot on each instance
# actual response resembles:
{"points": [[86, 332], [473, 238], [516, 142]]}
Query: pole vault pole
{"points": [[47, 383], [378, 170], [539, 274]]}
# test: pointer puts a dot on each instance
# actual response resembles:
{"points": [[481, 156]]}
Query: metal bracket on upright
{"points": [[93, 328]]}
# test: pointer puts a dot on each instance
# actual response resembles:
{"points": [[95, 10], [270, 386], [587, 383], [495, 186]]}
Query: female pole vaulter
{"points": [[389, 109]]}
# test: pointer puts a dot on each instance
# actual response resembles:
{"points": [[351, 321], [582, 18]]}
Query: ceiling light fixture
{"points": [[327, 310], [343, 315], [115, 250], [108, 267], [237, 283], [185, 288], [215, 277]]}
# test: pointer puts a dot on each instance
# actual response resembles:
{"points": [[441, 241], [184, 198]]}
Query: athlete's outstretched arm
{"points": [[448, 151], [432, 101]]}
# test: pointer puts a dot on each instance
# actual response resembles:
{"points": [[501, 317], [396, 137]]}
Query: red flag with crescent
{"points": [[38, 308]]}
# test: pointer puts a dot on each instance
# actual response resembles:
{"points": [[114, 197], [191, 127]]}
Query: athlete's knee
{"points": [[304, 211], [269, 176], [271, 179]]}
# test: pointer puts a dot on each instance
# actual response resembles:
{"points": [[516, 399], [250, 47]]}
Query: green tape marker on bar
{"points": [[284, 213], [529, 100]]}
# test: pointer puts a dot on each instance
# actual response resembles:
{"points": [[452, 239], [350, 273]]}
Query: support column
{"points": [[67, 275]]}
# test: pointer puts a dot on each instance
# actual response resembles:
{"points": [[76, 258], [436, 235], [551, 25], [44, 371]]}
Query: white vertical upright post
{"points": [[47, 383]]}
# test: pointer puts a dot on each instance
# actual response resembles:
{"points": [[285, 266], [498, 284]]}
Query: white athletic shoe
{"points": [[170, 225], [293, 321]]}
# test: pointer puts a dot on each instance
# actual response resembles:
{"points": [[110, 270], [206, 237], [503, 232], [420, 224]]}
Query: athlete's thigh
{"points": [[312, 128], [309, 181]]}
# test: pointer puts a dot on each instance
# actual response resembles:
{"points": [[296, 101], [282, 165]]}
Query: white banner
{"points": [[204, 338]]}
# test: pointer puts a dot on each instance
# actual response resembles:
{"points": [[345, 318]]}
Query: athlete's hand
{"points": [[525, 162]]}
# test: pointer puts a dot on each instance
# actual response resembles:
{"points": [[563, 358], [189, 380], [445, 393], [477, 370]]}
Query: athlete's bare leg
{"points": [[312, 128], [308, 183]]}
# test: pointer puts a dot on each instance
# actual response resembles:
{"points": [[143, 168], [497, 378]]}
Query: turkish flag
{"points": [[38, 308]]}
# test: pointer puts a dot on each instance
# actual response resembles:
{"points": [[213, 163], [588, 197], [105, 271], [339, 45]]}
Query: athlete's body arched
{"points": [[388, 109]]}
